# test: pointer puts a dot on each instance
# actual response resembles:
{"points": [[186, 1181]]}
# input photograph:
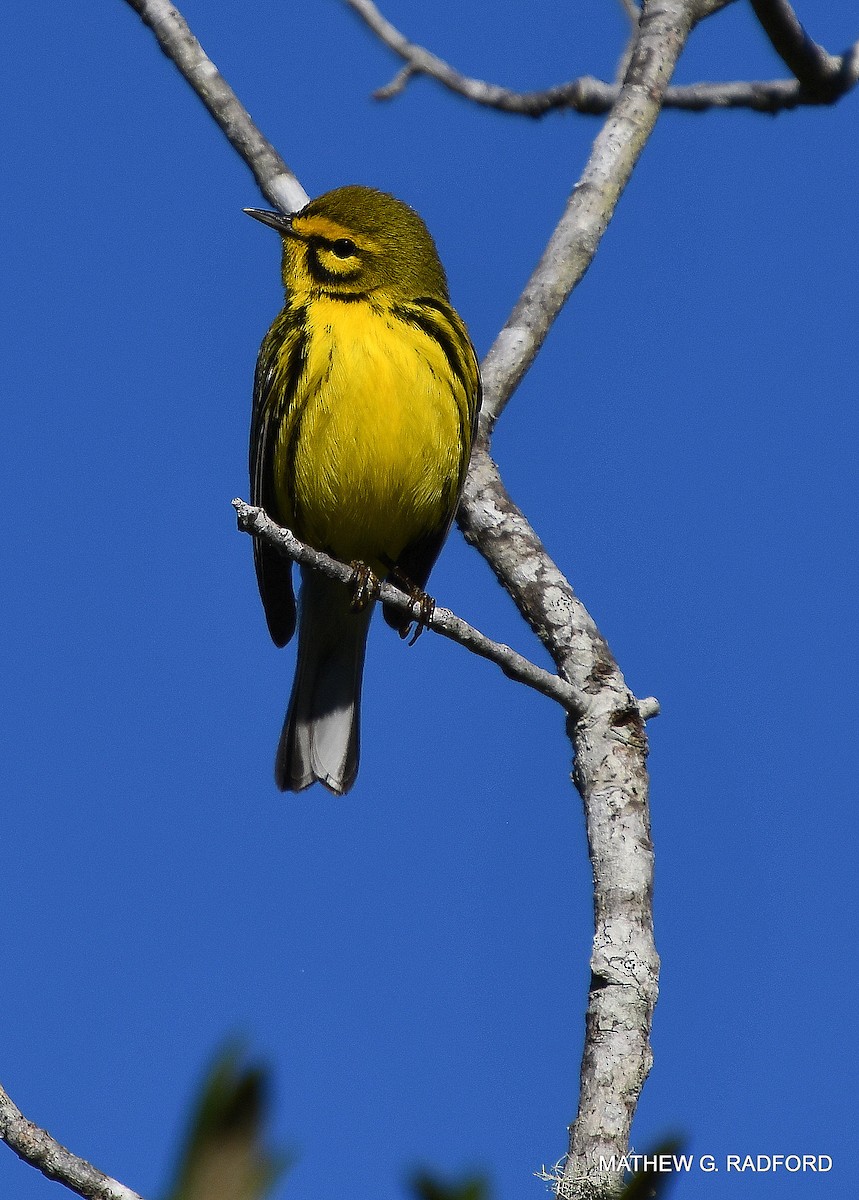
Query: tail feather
{"points": [[320, 737]]}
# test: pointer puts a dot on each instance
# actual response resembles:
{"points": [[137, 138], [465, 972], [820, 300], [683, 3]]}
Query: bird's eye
{"points": [[344, 247]]}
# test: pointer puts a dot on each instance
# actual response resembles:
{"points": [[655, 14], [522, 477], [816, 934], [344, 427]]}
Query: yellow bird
{"points": [[366, 398]]}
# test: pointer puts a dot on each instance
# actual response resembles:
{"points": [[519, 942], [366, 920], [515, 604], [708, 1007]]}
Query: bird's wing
{"points": [[280, 362], [416, 561]]}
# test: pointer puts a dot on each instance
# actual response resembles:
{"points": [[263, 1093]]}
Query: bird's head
{"points": [[355, 241]]}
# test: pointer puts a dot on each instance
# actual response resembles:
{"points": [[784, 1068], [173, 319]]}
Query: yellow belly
{"points": [[372, 456]]}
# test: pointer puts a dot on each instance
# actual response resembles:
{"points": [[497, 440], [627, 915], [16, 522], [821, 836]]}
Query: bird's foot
{"points": [[365, 586], [419, 600]]}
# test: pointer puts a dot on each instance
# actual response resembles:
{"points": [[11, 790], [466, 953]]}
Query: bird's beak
{"points": [[282, 222]]}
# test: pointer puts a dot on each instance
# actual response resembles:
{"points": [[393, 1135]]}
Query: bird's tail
{"points": [[320, 738]]}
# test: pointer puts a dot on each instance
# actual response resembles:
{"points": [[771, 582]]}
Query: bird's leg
{"points": [[364, 584], [421, 600]]}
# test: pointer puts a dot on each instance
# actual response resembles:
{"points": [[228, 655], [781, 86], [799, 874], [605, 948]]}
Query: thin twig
{"points": [[36, 1147], [515, 666], [276, 181], [594, 97], [588, 95], [823, 76]]}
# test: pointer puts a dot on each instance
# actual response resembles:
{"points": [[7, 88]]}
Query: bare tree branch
{"points": [[609, 741], [591, 96], [823, 77], [594, 97], [36, 1147], [606, 722], [662, 32], [608, 733], [606, 728], [257, 522], [611, 775], [276, 181]]}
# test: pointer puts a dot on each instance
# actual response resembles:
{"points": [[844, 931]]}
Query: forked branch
{"points": [[821, 78], [514, 665], [606, 723]]}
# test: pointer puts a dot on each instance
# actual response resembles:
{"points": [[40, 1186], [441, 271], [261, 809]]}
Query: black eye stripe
{"points": [[332, 273]]}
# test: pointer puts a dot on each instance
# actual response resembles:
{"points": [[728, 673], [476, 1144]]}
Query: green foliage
{"points": [[425, 1186], [224, 1156]]}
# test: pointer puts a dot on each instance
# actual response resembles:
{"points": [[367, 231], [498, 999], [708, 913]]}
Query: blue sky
{"points": [[413, 960]]}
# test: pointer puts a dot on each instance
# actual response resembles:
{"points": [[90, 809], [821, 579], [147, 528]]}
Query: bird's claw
{"points": [[425, 612], [418, 600], [365, 586]]}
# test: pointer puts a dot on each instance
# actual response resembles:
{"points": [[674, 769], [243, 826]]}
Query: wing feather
{"points": [[279, 366], [442, 323]]}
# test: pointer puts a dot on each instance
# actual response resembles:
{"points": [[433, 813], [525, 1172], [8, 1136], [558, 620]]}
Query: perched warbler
{"points": [[366, 397]]}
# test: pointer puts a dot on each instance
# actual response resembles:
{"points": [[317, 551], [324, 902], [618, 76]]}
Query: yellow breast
{"points": [[372, 453]]}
